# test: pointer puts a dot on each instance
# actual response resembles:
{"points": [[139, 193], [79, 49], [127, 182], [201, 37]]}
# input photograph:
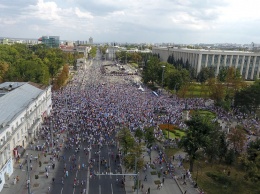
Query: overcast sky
{"points": [[153, 21]]}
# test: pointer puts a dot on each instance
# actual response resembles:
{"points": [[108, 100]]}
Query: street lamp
{"points": [[162, 74]]}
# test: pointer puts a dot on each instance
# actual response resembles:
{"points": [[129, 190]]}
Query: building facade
{"points": [[51, 41], [23, 109], [248, 63], [90, 40]]}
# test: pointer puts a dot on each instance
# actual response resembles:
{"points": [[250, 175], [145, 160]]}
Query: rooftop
{"points": [[16, 98]]}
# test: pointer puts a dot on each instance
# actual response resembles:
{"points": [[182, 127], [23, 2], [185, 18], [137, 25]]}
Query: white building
{"points": [[90, 40], [23, 106], [248, 63]]}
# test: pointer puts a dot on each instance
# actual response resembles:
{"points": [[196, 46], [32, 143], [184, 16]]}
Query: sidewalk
{"points": [[37, 186], [171, 185]]}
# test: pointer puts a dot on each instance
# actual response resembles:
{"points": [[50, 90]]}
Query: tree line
{"points": [[228, 89], [37, 63]]}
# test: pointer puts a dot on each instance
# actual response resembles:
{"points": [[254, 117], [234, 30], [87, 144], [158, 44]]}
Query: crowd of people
{"points": [[92, 105]]}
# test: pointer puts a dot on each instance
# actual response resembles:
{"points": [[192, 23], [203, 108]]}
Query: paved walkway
{"points": [[37, 186], [172, 184]]}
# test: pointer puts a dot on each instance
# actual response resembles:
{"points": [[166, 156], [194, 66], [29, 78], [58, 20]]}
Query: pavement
{"points": [[172, 184], [37, 186]]}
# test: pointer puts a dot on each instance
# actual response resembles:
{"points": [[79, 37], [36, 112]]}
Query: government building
{"points": [[23, 105], [248, 63]]}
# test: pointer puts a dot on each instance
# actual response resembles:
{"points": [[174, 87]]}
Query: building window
{"points": [[18, 136], [14, 142]]}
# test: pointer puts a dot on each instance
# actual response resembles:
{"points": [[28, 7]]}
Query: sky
{"points": [[133, 21]]}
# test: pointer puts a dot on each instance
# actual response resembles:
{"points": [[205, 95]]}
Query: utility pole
{"points": [[162, 74], [51, 135], [28, 177], [126, 57], [136, 179]]}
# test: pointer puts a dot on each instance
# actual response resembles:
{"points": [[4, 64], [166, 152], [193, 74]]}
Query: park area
{"points": [[171, 131], [221, 178]]}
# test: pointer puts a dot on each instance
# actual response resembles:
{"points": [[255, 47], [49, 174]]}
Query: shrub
{"points": [[220, 178], [153, 173]]}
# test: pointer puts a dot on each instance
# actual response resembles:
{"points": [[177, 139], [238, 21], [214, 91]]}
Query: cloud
{"points": [[135, 20], [81, 14]]}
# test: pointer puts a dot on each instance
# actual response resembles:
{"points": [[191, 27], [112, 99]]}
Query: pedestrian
{"points": [[148, 190], [53, 180], [49, 189], [47, 174], [145, 178], [163, 180]]}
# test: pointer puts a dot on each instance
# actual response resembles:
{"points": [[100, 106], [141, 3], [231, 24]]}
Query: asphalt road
{"points": [[103, 158]]}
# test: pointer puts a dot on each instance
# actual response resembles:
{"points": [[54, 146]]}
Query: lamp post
{"points": [[162, 74], [169, 127], [28, 177]]}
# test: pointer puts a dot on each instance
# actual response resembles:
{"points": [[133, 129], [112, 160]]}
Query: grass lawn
{"points": [[206, 113], [177, 134], [170, 152], [214, 179], [174, 132]]}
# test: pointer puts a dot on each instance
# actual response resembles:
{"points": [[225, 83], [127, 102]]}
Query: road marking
{"points": [[79, 158], [61, 190], [112, 188], [109, 151], [76, 173], [87, 185], [69, 158], [99, 189], [73, 190]]}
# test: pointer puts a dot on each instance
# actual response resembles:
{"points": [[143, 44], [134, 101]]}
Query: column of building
{"points": [[247, 66], [231, 61], [218, 65], [199, 57], [225, 60], [253, 68], [242, 65], [206, 62]]}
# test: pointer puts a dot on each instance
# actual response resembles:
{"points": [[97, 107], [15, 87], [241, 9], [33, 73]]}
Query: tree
{"points": [[248, 98], [139, 134], [126, 140], [237, 138], [216, 147], [198, 136], [149, 136], [216, 90], [150, 72], [205, 74], [3, 69], [134, 157]]}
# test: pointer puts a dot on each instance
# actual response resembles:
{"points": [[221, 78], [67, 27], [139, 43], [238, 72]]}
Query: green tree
{"points": [[237, 138], [133, 158], [150, 72], [198, 136], [126, 140], [149, 136], [248, 98], [205, 74], [4, 66], [139, 134]]}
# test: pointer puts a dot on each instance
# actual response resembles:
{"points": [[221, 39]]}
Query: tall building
{"points": [[90, 40], [23, 108], [50, 41], [248, 63]]}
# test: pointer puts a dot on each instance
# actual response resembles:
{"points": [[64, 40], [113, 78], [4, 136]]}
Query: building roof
{"points": [[16, 100]]}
